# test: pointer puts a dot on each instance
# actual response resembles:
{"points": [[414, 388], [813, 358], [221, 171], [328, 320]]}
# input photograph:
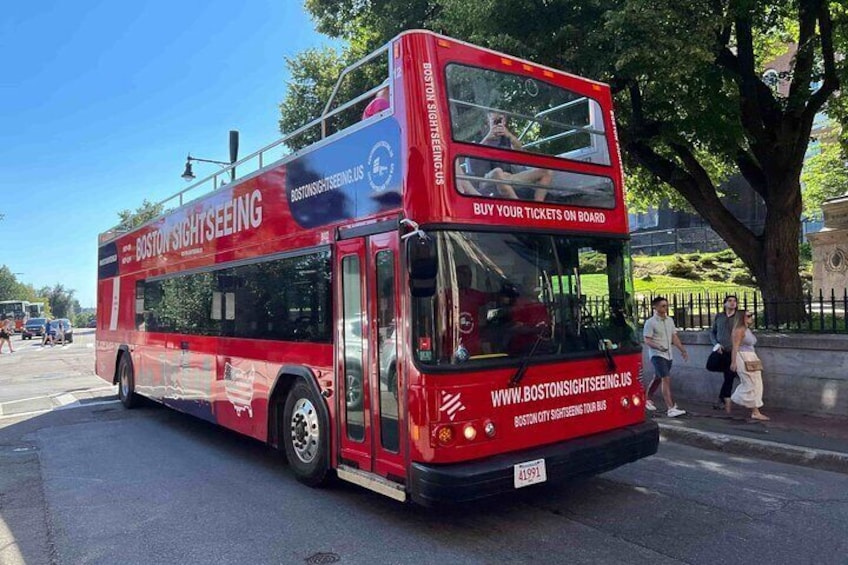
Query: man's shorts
{"points": [[662, 367]]}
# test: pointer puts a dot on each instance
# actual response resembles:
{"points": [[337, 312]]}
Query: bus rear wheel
{"points": [[126, 382], [304, 435]]}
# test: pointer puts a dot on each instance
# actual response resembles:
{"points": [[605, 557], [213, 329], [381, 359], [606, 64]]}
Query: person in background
{"points": [[49, 333], [60, 332], [749, 393], [660, 334], [720, 336], [7, 329], [378, 104]]}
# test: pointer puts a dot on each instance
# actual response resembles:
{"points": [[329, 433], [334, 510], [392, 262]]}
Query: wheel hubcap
{"points": [[305, 432], [354, 389], [125, 382]]}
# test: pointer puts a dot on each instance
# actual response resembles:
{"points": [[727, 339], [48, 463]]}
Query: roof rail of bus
{"points": [[218, 179]]}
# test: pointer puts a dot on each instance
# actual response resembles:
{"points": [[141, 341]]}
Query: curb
{"points": [[794, 455]]}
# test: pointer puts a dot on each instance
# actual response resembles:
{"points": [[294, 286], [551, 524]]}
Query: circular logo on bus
{"points": [[381, 166], [466, 323]]}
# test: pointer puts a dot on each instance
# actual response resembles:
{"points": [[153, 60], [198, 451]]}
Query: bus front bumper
{"points": [[460, 483]]}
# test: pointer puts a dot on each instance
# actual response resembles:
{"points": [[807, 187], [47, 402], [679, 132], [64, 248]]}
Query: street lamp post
{"points": [[188, 174]]}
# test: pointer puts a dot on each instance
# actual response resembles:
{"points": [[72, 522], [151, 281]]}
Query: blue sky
{"points": [[101, 101]]}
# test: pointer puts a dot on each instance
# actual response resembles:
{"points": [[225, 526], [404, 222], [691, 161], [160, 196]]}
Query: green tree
{"points": [[143, 214], [825, 174], [10, 287], [61, 300], [313, 74], [687, 75]]}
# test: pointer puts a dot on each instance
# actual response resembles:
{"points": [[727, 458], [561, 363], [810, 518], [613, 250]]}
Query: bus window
{"points": [[387, 351], [520, 113], [474, 177]]}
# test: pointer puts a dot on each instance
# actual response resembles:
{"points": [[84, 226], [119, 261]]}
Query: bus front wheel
{"points": [[305, 436], [126, 382]]}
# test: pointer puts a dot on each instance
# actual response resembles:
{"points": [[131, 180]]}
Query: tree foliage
{"points": [[687, 75], [12, 289], [143, 214], [61, 301], [825, 174]]}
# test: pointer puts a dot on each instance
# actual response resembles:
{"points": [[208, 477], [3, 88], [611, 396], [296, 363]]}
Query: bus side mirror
{"points": [[422, 266]]}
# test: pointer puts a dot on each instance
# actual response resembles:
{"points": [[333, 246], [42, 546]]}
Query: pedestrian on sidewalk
{"points": [[721, 338], [7, 329], [660, 334], [745, 362]]}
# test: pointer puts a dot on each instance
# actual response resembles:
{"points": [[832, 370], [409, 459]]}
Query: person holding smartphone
{"points": [[499, 135], [660, 335]]}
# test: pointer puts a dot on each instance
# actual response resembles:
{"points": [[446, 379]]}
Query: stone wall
{"points": [[808, 373]]}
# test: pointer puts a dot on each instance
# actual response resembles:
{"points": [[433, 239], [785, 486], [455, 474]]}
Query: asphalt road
{"points": [[35, 372], [95, 483]]}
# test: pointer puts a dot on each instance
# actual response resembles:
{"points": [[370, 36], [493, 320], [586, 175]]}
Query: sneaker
{"points": [[649, 405], [674, 412]]}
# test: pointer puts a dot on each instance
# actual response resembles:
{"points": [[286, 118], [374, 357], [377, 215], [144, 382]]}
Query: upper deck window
{"points": [[537, 116]]}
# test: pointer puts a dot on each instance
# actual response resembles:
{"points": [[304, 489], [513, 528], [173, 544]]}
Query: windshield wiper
{"points": [[525, 361], [590, 322]]}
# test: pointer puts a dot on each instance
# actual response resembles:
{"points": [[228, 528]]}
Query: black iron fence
{"points": [[816, 313]]}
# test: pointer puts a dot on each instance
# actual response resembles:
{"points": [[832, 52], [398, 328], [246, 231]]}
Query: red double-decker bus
{"points": [[17, 310], [433, 301]]}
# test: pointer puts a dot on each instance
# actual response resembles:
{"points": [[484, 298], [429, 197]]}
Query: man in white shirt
{"points": [[660, 334]]}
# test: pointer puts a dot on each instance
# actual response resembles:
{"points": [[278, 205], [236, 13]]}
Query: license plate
{"points": [[529, 473]]}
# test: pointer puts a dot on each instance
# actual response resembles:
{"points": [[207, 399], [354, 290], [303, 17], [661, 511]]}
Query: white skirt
{"points": [[749, 393]]}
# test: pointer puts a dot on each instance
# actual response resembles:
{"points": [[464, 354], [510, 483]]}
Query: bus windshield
{"points": [[503, 295]]}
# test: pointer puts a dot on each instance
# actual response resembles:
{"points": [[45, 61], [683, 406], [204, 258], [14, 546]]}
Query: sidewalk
{"points": [[789, 437]]}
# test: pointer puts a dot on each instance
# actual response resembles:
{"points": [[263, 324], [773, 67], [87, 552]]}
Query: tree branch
{"points": [[830, 84], [752, 172], [705, 201], [805, 56]]}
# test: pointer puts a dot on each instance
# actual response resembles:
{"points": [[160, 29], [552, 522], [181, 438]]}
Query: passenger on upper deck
{"points": [[378, 104], [499, 135]]}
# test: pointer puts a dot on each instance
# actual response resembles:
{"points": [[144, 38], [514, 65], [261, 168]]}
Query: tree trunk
{"points": [[777, 268]]}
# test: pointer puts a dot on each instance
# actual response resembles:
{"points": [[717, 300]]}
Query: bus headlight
{"points": [[469, 432]]}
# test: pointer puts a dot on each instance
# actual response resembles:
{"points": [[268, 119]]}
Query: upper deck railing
{"points": [[264, 156]]}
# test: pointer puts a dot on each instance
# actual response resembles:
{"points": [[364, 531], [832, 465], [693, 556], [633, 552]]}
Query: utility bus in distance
{"points": [[432, 298]]}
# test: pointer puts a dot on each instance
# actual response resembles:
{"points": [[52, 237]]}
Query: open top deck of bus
{"points": [[326, 131]]}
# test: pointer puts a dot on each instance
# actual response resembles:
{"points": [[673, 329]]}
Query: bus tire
{"points": [[304, 435], [126, 382]]}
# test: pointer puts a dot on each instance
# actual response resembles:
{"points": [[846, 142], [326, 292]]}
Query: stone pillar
{"points": [[830, 249]]}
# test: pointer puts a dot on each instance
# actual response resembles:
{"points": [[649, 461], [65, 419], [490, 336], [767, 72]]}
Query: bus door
{"points": [[370, 379]]}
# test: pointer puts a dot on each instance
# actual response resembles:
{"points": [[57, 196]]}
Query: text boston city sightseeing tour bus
{"points": [[434, 301]]}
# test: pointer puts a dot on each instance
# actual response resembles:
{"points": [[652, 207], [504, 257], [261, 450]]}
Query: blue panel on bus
{"points": [[352, 177], [107, 261]]}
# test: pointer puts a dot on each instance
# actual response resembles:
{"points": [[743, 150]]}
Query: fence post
{"points": [[833, 309]]}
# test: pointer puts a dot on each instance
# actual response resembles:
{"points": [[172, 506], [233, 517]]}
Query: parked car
{"points": [[33, 327], [67, 326]]}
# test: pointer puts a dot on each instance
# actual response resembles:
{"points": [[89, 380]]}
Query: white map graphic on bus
{"points": [[239, 387]]}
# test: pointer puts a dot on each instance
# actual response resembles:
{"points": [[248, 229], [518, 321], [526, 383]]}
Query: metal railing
{"points": [[819, 313], [259, 159]]}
